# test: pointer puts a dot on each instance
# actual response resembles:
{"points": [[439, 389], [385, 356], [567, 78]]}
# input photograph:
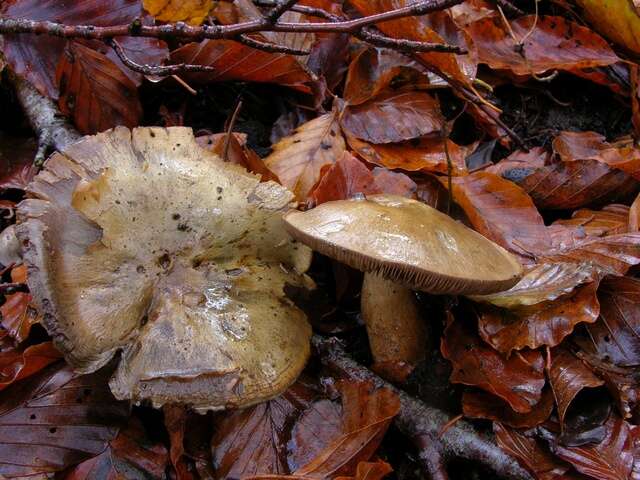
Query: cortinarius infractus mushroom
{"points": [[403, 244], [143, 242]]}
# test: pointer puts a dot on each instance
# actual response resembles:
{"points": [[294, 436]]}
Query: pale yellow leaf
{"points": [[191, 11]]}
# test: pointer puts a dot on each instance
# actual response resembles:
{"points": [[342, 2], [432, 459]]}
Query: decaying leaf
{"points": [[298, 159], [618, 20], [18, 316], [55, 419], [183, 272], [478, 404], [517, 380], [17, 364], [191, 11]]}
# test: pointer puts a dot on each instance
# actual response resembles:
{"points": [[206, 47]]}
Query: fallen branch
{"points": [[49, 125], [424, 424]]}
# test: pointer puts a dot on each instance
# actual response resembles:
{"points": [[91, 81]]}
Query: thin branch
{"points": [[159, 70], [269, 47], [49, 125], [423, 423], [407, 46], [510, 8], [279, 9]]}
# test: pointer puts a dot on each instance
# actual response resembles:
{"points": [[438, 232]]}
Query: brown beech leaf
{"points": [[614, 254], [55, 419], [568, 376], [428, 28], [349, 176], [370, 471], [554, 184], [373, 69], [367, 412], [611, 459], [611, 220], [541, 283], [234, 61], [502, 212], [252, 441], [545, 323], [393, 117], [298, 160], [237, 152], [634, 215], [175, 422], [572, 146], [518, 380], [540, 44], [95, 92], [616, 335], [479, 404], [18, 316], [35, 56], [190, 11], [131, 455], [21, 363], [530, 453], [426, 154], [16, 160]]}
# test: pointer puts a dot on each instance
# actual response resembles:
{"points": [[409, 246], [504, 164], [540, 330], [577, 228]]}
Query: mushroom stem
{"points": [[423, 423], [396, 332]]}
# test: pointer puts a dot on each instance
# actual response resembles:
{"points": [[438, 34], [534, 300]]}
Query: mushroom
{"points": [[403, 245], [145, 243]]}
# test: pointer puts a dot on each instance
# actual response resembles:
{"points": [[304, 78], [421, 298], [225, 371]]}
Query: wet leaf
{"points": [[175, 421], [21, 363], [611, 220], [517, 380], [618, 20], [95, 92], [634, 215], [370, 471], [616, 335], [234, 61], [349, 176], [568, 376], [190, 11], [393, 117], [611, 459], [16, 160], [546, 323], [540, 44], [18, 316], [502, 212], [530, 453], [425, 155], [298, 160], [478, 404], [541, 283], [55, 419], [131, 455]]}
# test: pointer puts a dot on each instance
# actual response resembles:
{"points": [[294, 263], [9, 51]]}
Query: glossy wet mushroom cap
{"points": [[145, 243], [408, 242]]}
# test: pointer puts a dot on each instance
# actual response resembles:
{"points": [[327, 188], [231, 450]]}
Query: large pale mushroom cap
{"points": [[141, 241], [408, 242]]}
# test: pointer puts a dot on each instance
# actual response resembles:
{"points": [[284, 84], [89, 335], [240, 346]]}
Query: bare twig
{"points": [[423, 423], [50, 126], [279, 9], [232, 123], [509, 7], [269, 47]]}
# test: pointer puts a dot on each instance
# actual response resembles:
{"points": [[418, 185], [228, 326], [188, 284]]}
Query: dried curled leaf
{"points": [[478, 404], [182, 271], [190, 11]]}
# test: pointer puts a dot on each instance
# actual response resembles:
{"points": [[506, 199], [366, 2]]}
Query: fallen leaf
{"points": [[131, 455], [426, 155], [191, 11], [546, 323], [568, 376], [298, 160], [618, 20], [95, 92], [478, 404], [349, 176], [634, 215], [21, 363], [16, 160], [35, 57], [541, 43], [234, 61], [530, 453], [611, 459], [541, 283], [175, 422], [393, 117], [55, 419], [502, 212], [370, 471], [584, 223], [18, 316], [518, 380], [616, 335]]}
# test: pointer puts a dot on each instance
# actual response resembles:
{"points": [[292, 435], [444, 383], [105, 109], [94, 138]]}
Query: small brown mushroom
{"points": [[145, 243], [403, 244]]}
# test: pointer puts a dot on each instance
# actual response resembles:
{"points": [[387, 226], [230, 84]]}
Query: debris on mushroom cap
{"points": [[142, 241], [408, 242]]}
